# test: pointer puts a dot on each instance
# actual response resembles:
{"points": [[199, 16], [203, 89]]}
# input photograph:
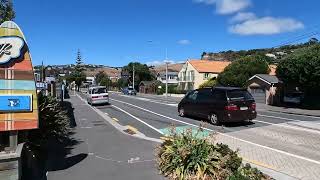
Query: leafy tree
{"points": [[6, 11], [142, 72], [103, 79], [302, 68], [122, 83], [239, 71]]}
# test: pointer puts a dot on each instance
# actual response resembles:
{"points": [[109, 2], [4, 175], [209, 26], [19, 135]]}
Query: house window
{"points": [[206, 76]]}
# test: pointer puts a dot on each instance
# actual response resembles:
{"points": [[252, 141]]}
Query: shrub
{"points": [[185, 156], [188, 156], [209, 83], [53, 122], [246, 172]]}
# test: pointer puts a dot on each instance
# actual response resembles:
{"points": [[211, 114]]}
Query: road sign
{"points": [[18, 98]]}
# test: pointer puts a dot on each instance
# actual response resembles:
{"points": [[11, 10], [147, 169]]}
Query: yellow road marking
{"points": [[132, 128], [115, 119], [259, 163]]}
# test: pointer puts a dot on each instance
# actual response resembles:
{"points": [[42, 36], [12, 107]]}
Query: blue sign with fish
{"points": [[14, 103]]}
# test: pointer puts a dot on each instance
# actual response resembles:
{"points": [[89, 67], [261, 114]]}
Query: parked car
{"points": [[219, 104], [97, 95], [293, 98], [129, 91]]}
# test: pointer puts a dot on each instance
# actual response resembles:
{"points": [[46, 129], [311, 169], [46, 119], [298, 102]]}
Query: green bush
{"points": [[209, 83], [54, 122], [246, 172], [186, 156]]}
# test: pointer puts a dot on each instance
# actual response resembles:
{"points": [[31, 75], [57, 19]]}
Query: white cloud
{"points": [[243, 16], [231, 6], [266, 26], [184, 42], [227, 6]]}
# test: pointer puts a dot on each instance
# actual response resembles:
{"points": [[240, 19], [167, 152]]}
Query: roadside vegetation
{"points": [[302, 69], [238, 72], [187, 156], [209, 83], [54, 122]]}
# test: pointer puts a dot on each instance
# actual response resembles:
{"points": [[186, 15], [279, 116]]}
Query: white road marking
{"points": [[150, 100], [289, 126], [280, 125], [252, 143], [289, 114], [138, 119], [279, 117]]}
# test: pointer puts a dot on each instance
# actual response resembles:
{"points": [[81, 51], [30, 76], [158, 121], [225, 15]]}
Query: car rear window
{"points": [[239, 95], [99, 91]]}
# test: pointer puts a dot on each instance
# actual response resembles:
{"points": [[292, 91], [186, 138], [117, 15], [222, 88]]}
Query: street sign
{"points": [[18, 98], [15, 103]]}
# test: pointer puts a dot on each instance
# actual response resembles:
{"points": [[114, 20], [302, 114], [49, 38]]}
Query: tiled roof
{"points": [[205, 66], [268, 78]]}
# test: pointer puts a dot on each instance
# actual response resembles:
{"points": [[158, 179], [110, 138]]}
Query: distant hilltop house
{"points": [[173, 70], [172, 77], [113, 73], [196, 72]]}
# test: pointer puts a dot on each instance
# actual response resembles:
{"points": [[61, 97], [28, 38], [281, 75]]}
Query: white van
{"points": [[97, 95]]}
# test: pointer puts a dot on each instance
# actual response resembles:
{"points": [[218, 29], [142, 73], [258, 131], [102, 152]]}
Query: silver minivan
{"points": [[97, 95]]}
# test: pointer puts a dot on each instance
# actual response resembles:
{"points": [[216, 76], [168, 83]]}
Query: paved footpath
{"points": [[102, 152]]}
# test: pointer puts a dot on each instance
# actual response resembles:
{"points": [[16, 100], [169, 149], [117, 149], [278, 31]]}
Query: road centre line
{"points": [[289, 126], [226, 135], [291, 114], [134, 117], [176, 105], [151, 100]]}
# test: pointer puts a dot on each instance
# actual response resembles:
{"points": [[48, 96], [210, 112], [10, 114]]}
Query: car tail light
{"points": [[94, 97], [231, 107], [253, 106]]}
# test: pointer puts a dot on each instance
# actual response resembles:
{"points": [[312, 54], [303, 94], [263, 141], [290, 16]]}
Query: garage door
{"points": [[259, 95]]}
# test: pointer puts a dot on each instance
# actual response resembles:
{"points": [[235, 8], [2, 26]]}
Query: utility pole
{"points": [[167, 79], [166, 73], [133, 77]]}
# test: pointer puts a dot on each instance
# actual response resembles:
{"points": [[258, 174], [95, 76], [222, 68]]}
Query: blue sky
{"points": [[116, 32]]}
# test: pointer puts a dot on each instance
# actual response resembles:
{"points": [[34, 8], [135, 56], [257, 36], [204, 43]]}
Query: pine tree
{"points": [[79, 63], [78, 76], [6, 11]]}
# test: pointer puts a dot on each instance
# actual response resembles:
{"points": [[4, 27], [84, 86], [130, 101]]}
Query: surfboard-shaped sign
{"points": [[18, 96]]}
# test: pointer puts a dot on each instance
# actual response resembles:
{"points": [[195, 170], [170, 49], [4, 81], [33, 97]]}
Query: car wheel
{"points": [[213, 118], [181, 112]]}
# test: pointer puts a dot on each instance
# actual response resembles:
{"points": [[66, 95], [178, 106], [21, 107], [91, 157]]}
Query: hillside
{"points": [[275, 54]]}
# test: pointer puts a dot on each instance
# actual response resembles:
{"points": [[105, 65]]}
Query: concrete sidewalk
{"points": [[287, 110], [100, 151]]}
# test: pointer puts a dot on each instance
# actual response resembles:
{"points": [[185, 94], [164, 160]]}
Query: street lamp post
{"points": [[133, 77], [167, 62], [167, 79]]}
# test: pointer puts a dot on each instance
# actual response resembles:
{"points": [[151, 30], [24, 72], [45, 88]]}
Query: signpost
{"points": [[18, 96]]}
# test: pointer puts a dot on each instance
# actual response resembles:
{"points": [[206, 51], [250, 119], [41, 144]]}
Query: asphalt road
{"points": [[99, 151], [271, 132]]}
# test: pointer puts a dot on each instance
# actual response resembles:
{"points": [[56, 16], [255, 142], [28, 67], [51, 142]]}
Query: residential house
{"points": [[265, 88], [172, 77], [196, 72], [149, 87]]}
